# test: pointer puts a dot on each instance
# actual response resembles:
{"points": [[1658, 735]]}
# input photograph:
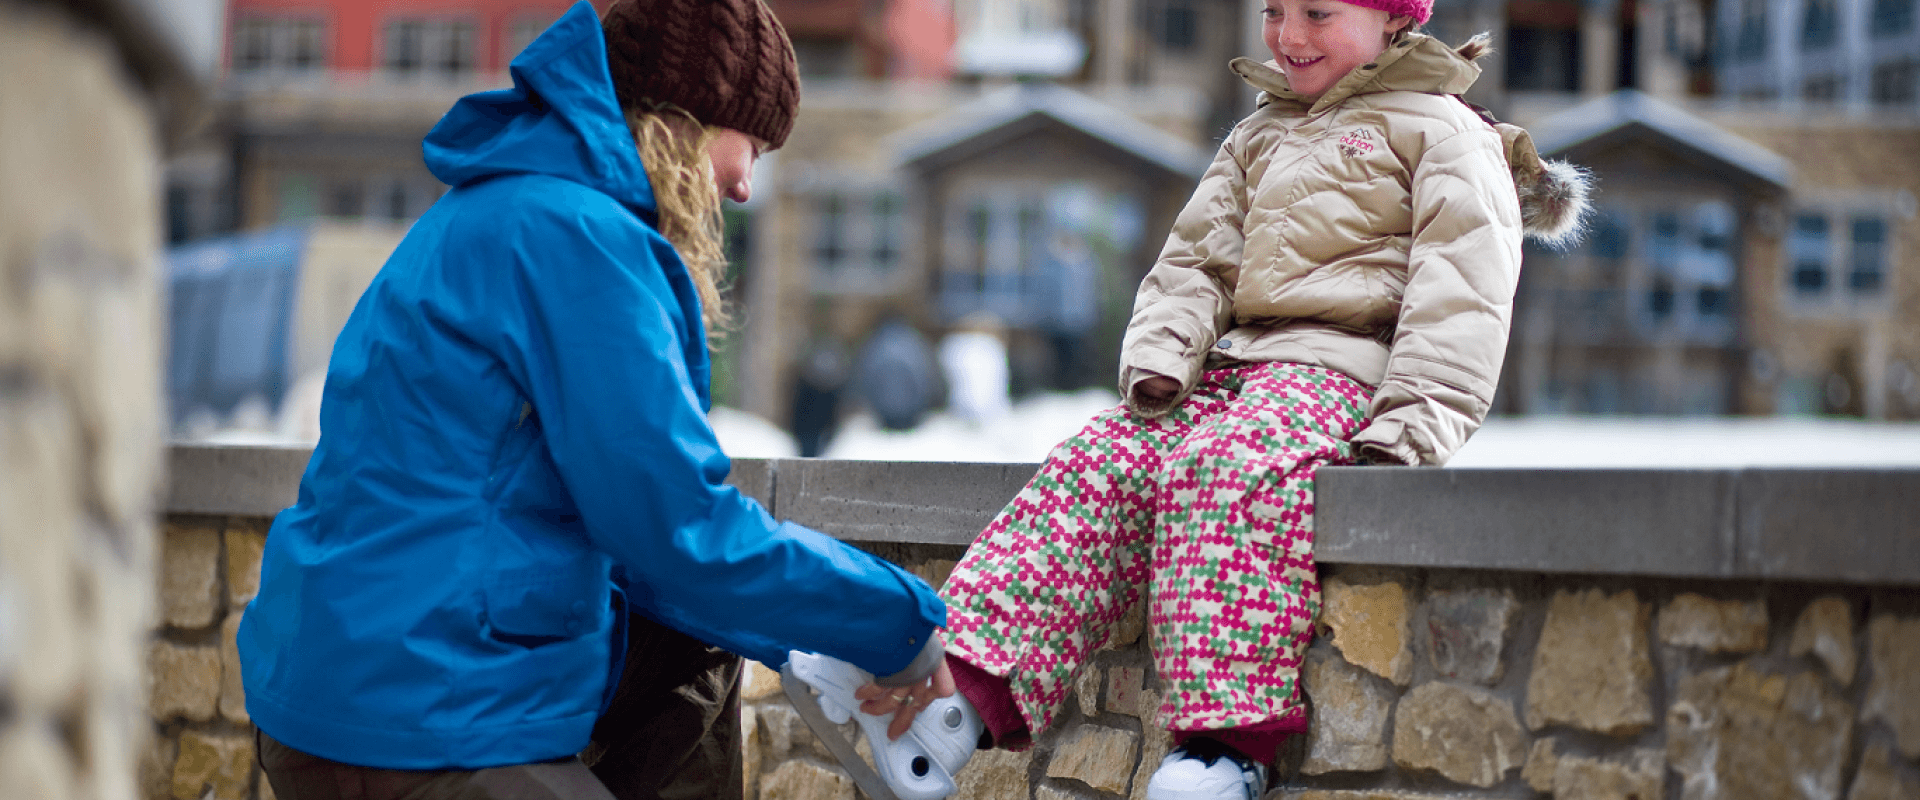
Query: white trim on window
{"points": [[1840, 253], [278, 45], [857, 236]]}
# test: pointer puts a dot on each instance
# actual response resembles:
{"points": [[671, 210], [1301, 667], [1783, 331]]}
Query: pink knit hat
{"points": [[1420, 10]]}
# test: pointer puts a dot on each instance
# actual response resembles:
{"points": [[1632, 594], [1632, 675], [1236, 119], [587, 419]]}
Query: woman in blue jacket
{"points": [[515, 460]]}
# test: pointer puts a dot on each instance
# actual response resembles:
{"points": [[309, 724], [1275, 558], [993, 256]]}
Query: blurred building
{"points": [[1012, 160], [300, 182], [322, 106], [1757, 250], [1022, 159]]}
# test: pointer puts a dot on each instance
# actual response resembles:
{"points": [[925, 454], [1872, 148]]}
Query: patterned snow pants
{"points": [[1211, 506]]}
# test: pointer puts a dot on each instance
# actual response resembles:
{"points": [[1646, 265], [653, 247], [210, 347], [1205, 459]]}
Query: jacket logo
{"points": [[1354, 144]]}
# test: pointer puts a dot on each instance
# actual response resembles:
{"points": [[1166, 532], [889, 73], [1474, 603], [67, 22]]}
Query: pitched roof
{"points": [[1628, 111], [1005, 116]]}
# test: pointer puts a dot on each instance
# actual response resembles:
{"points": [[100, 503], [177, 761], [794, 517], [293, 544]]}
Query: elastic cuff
{"points": [[920, 669], [992, 696]]}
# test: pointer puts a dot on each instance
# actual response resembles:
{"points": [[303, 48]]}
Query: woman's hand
{"points": [[1158, 388], [905, 702]]}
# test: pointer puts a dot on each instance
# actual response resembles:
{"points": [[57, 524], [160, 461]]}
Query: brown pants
{"points": [[672, 733]]}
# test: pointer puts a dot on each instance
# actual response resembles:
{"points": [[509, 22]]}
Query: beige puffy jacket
{"points": [[1375, 231]]}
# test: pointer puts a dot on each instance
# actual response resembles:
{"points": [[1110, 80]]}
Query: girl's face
{"points": [[1318, 42], [733, 154]]}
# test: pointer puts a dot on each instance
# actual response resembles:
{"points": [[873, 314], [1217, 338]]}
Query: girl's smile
{"points": [[1317, 42]]}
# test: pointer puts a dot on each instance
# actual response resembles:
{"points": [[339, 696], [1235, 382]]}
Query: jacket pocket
{"points": [[536, 606]]}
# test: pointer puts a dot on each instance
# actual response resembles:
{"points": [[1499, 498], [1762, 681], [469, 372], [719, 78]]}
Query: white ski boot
{"points": [[918, 766], [1204, 769]]}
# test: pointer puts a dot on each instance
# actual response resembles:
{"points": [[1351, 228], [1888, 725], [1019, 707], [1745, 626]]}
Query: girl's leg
{"points": [[1042, 586], [1235, 591]]}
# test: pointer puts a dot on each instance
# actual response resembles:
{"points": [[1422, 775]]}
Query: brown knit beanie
{"points": [[727, 62]]}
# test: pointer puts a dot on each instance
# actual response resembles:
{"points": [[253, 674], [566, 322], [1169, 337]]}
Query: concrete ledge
{"points": [[1643, 522], [1844, 526], [886, 501], [233, 479], [1850, 526]]}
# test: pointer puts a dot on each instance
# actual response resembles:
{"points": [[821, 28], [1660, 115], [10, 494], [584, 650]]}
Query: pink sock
{"points": [[993, 698]]}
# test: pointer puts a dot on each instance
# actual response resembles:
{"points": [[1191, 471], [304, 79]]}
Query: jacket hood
{"points": [[1554, 195], [561, 118]]}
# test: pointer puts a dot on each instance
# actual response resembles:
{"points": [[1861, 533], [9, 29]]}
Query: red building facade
{"points": [[445, 38]]}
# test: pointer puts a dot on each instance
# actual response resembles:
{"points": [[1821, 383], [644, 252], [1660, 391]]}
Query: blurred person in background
{"points": [[514, 538]]}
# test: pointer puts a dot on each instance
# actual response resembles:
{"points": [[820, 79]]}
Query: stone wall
{"points": [[1628, 677], [1462, 683], [202, 742]]}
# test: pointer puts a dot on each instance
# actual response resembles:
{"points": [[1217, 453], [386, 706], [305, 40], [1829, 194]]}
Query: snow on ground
{"points": [[1035, 425], [743, 435], [1030, 430], [1025, 434], [1690, 442]]}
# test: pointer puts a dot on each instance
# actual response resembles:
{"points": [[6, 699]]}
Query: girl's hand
{"points": [[1157, 388], [905, 702]]}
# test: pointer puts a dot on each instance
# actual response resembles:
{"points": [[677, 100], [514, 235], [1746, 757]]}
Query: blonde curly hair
{"points": [[673, 147]]}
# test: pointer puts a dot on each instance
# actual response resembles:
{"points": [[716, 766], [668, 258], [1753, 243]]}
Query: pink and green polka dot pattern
{"points": [[1211, 506]]}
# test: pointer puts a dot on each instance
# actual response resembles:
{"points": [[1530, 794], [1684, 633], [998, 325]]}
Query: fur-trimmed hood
{"points": [[1555, 195]]}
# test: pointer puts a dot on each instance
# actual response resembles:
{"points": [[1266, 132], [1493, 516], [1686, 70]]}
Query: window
{"points": [[179, 214], [385, 197], [1688, 277], [1839, 255], [1663, 250], [1867, 261], [858, 234], [1709, 261], [1031, 231], [1807, 251], [1823, 88], [984, 268], [437, 48], [1179, 26], [1608, 239], [270, 44], [1894, 82], [887, 227], [1820, 28], [1751, 41], [829, 251], [977, 238], [1543, 60], [1891, 17]]}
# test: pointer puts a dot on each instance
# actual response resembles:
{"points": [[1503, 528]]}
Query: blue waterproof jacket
{"points": [[516, 451]]}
